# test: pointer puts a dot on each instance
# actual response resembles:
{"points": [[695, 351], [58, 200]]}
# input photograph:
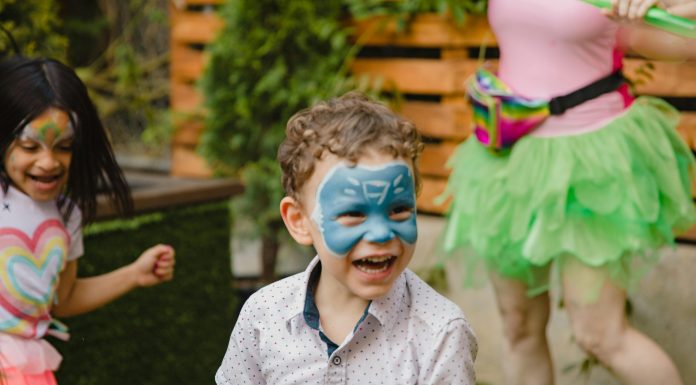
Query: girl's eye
{"points": [[29, 146], [64, 147]]}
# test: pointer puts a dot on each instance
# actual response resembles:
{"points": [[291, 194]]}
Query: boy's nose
{"points": [[379, 232]]}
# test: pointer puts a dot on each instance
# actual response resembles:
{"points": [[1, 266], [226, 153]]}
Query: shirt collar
{"points": [[385, 309], [296, 308], [310, 311]]}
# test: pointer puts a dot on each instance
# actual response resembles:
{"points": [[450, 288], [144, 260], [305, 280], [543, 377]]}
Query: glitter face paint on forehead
{"points": [[58, 127], [374, 192]]}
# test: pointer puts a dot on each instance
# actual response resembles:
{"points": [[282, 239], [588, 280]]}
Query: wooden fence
{"points": [[194, 24], [444, 115], [428, 65]]}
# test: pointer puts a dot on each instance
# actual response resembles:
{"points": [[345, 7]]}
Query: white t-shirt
{"points": [[35, 245]]}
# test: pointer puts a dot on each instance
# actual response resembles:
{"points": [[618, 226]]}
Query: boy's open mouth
{"points": [[372, 265]]}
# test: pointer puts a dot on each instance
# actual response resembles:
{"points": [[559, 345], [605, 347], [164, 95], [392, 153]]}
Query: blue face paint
{"points": [[375, 193]]}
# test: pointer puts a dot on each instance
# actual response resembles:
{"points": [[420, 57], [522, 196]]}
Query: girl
{"points": [[55, 159], [595, 189]]}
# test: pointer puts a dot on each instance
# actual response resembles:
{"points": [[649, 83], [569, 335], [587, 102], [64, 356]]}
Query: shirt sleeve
{"points": [[240, 366], [74, 228], [451, 360]]}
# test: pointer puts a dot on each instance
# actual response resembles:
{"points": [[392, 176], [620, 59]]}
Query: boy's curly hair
{"points": [[347, 126]]}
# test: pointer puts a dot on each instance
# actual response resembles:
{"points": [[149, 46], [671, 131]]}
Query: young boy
{"points": [[356, 315]]}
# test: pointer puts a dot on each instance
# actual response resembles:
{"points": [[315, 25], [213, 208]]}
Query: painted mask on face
{"points": [[375, 194], [47, 133]]}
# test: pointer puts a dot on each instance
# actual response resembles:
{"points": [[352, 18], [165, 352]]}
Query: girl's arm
{"points": [[637, 38], [81, 295]]}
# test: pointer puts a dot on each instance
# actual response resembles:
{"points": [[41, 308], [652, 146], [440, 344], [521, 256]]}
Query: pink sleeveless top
{"points": [[553, 47]]}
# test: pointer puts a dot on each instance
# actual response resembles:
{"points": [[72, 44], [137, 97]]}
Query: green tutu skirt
{"points": [[609, 198]]}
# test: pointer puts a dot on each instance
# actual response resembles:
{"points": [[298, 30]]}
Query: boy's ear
{"points": [[296, 221]]}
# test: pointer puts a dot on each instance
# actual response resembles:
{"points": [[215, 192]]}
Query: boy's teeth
{"points": [[377, 259], [372, 265], [372, 271]]}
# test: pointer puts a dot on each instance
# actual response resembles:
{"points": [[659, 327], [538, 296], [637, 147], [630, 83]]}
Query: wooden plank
{"points": [[433, 160], [417, 76], [687, 128], [187, 64], [156, 192], [187, 163], [668, 79], [431, 188], [688, 236], [425, 30], [187, 132], [194, 27], [185, 97], [439, 120], [184, 3]]}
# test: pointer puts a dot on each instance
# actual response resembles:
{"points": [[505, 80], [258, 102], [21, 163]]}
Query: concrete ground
{"points": [[663, 307]]}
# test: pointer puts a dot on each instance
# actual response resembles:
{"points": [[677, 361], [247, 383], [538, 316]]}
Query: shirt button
{"points": [[337, 360]]}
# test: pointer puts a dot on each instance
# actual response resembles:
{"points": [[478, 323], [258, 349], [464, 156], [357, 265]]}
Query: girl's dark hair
{"points": [[30, 86]]}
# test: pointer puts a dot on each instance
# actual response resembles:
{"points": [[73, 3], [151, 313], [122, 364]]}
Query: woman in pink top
{"points": [[595, 190]]}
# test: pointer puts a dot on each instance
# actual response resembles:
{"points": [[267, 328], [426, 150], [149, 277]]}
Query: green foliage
{"points": [[120, 50], [273, 58], [35, 26], [174, 333], [405, 10], [583, 368], [641, 75], [264, 192], [435, 276]]}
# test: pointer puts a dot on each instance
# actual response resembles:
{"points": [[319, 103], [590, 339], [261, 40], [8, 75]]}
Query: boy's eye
{"points": [[401, 213], [350, 218]]}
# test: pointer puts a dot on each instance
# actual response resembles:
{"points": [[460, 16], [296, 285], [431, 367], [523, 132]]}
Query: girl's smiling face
{"points": [[38, 160]]}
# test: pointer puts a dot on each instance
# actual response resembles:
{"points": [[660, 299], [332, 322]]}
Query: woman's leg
{"points": [[597, 313], [526, 351]]}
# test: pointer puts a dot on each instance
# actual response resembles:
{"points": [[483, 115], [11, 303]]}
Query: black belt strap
{"points": [[560, 104]]}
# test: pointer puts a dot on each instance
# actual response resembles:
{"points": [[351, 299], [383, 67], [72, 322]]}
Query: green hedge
{"points": [[174, 333]]}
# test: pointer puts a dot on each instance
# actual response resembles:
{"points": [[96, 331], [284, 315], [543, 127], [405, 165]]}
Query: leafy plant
{"points": [[129, 79], [35, 26], [273, 58], [119, 49], [405, 10]]}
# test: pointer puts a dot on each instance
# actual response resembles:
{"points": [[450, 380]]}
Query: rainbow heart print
{"points": [[30, 270]]}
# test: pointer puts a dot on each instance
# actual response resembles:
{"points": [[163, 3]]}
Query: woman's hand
{"points": [[652, 43], [629, 11], [684, 9]]}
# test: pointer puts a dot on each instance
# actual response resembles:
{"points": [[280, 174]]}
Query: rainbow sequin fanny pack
{"points": [[501, 118]]}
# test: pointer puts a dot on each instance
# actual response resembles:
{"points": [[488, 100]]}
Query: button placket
{"points": [[336, 370]]}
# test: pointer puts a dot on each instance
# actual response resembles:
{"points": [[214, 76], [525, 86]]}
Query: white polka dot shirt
{"points": [[412, 335]]}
